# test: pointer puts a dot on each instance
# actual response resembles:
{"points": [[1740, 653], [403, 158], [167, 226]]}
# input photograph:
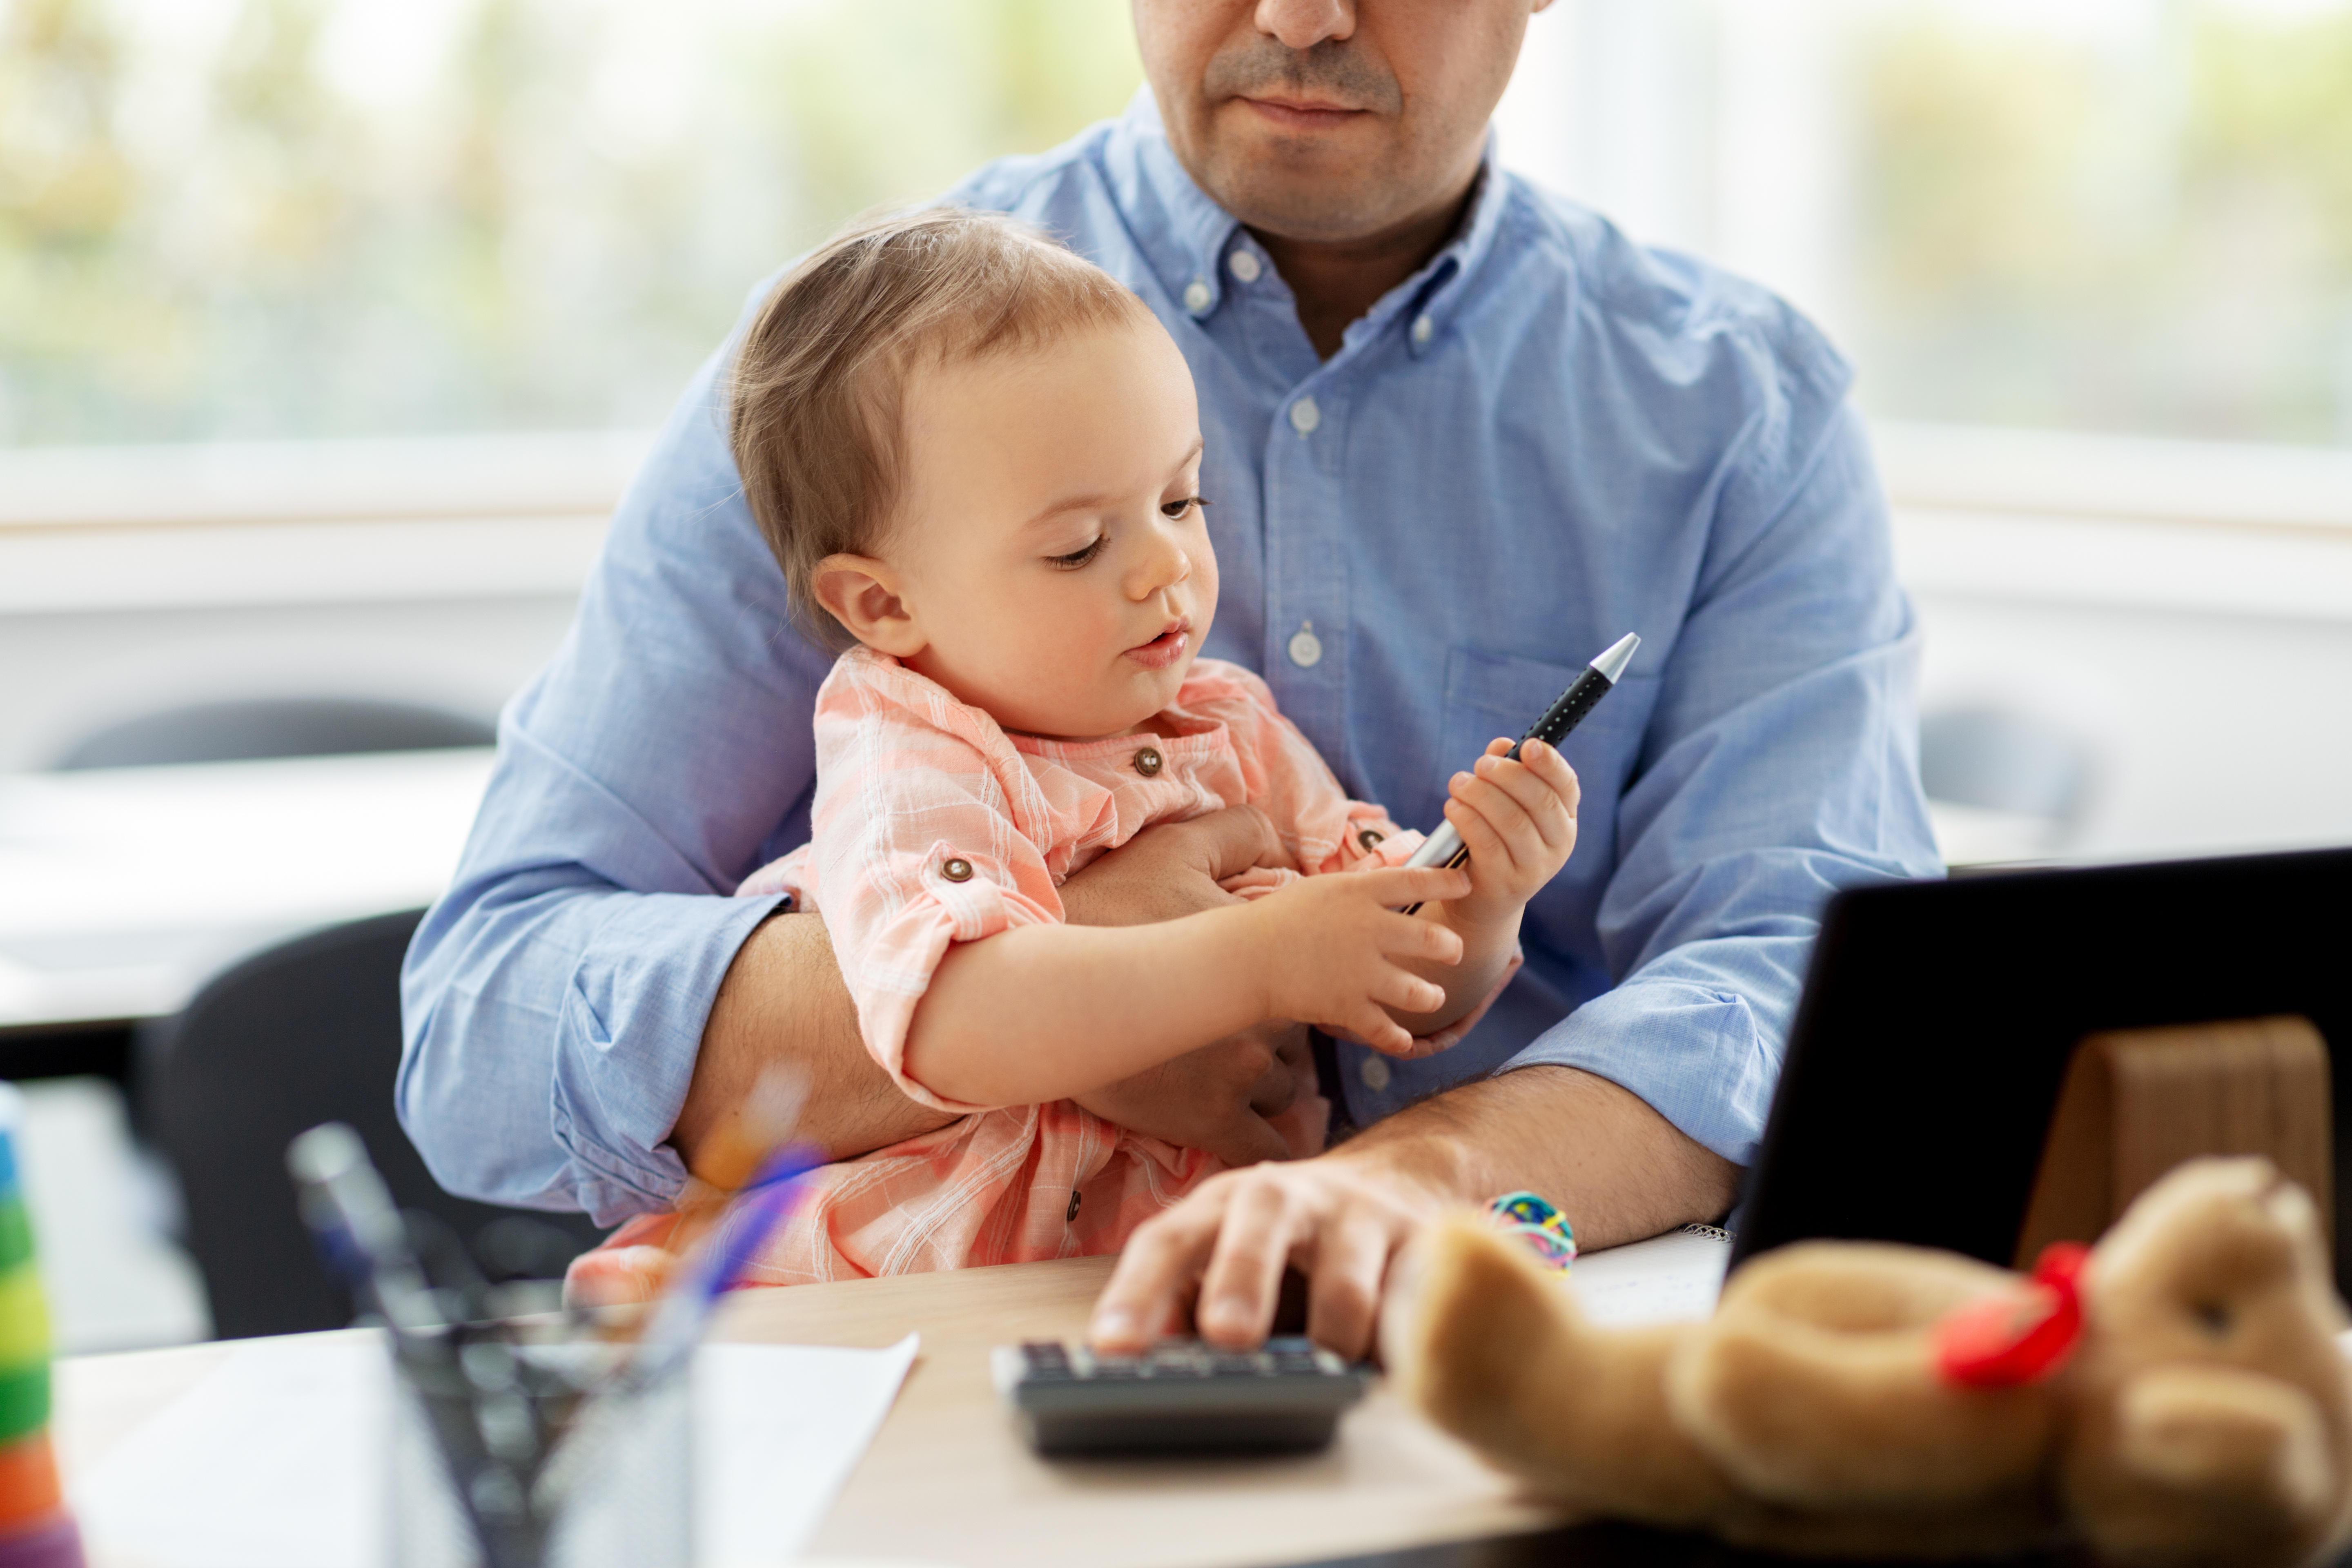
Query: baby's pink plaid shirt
{"points": [[911, 780]]}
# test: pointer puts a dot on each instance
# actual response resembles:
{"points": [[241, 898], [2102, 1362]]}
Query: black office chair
{"points": [[304, 1032], [269, 727], [1996, 759]]}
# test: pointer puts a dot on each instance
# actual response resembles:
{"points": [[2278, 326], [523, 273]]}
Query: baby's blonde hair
{"points": [[815, 398]]}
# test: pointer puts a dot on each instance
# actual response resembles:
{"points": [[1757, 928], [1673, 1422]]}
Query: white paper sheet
{"points": [[1677, 1275], [277, 1459]]}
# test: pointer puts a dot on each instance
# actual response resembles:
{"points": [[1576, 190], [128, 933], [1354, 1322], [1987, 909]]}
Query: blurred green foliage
{"points": [[2152, 234], [251, 219], [230, 218]]}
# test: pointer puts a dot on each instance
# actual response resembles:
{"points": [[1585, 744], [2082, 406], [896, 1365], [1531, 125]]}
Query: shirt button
{"points": [[1196, 296], [1375, 1073], [957, 870], [1370, 837], [1243, 266], [1305, 647], [1304, 417], [1148, 762], [1423, 328]]}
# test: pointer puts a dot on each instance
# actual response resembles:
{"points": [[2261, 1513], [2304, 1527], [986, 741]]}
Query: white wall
{"points": [[438, 571], [2210, 664], [2218, 731]]}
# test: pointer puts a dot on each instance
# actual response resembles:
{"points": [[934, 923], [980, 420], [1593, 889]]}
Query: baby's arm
{"points": [[1518, 820], [1048, 1011]]}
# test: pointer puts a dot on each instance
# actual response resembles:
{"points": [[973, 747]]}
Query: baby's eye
{"points": [[1077, 558], [1174, 509]]}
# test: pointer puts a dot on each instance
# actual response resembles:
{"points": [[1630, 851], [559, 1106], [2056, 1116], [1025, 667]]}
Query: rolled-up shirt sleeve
{"points": [[1780, 765], [928, 832], [553, 1000]]}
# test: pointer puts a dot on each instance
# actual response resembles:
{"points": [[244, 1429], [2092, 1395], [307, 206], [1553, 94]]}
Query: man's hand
{"points": [[1618, 1169], [1219, 1256], [1218, 1098], [1167, 872]]}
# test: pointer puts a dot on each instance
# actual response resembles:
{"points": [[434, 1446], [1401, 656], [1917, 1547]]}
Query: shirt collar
{"points": [[1187, 236]]}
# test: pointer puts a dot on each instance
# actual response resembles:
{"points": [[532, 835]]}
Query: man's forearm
{"points": [[1619, 1170], [783, 1003]]}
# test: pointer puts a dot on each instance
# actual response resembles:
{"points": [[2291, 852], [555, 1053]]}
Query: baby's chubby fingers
{"points": [[1542, 769], [1483, 794], [1394, 887], [1402, 936], [1487, 848], [1407, 992], [1541, 784], [1548, 766], [1382, 1032]]}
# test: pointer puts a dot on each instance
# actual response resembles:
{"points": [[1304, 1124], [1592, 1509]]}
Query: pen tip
{"points": [[1613, 663], [324, 1152]]}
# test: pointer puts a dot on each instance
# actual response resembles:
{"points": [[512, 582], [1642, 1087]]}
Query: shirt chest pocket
{"points": [[1488, 695]]}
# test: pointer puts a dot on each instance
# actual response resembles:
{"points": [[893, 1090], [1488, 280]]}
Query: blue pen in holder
{"points": [[596, 1473], [519, 1439]]}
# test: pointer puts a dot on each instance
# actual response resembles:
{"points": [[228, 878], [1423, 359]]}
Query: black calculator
{"points": [[1180, 1396]]}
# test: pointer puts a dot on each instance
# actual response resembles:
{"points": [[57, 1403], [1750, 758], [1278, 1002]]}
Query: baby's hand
{"points": [[1330, 949], [1519, 819]]}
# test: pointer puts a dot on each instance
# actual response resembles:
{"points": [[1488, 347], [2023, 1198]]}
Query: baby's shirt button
{"points": [[1148, 762], [957, 870]]}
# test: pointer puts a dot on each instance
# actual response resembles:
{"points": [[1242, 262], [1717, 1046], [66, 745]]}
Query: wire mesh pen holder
{"points": [[523, 1435], [523, 1446]]}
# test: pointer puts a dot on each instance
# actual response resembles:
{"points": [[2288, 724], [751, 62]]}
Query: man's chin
{"points": [[1325, 185], [1307, 203]]}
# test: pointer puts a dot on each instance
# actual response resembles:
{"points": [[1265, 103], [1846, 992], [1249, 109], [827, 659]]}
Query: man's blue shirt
{"points": [[1546, 438]]}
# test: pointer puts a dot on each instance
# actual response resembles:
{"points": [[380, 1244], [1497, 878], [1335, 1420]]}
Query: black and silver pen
{"points": [[1444, 846]]}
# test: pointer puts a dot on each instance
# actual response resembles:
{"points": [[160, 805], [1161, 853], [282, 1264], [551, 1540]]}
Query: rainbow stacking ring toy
{"points": [[36, 1530]]}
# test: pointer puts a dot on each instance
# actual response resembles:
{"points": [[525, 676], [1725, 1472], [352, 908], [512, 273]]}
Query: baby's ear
{"points": [[864, 594]]}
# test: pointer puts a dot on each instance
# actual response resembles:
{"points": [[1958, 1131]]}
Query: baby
{"points": [[977, 459]]}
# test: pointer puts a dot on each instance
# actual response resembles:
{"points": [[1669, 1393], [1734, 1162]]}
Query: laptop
{"points": [[1937, 1020]]}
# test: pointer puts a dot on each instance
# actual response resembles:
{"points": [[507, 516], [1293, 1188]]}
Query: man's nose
{"points": [[1303, 23]]}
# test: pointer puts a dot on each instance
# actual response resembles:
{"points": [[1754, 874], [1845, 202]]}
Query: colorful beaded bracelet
{"points": [[1535, 1221]]}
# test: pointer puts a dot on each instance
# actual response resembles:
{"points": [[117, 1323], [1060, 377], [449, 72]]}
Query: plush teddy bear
{"points": [[2173, 1397]]}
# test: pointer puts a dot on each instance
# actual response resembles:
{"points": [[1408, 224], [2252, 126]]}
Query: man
{"points": [[1461, 438]]}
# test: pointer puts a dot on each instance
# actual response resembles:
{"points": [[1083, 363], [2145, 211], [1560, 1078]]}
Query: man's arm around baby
{"points": [[784, 1001], [1596, 1149]]}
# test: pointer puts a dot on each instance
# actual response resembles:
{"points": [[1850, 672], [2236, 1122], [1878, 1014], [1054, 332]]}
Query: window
{"points": [[2112, 215], [293, 219]]}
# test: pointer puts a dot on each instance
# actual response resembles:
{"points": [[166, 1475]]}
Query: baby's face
{"points": [[1049, 551]]}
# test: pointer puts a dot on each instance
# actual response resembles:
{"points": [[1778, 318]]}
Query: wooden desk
{"points": [[949, 1481]]}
